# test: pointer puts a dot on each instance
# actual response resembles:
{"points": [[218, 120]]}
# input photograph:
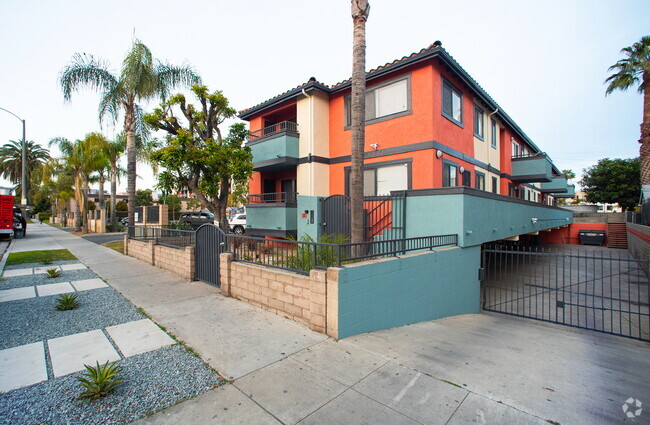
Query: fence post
{"points": [[225, 262]]}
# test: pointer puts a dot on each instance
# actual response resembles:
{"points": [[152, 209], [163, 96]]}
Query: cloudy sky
{"points": [[543, 62]]}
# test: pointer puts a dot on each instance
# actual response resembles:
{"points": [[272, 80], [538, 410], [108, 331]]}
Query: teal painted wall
{"points": [[305, 227], [410, 289], [532, 166], [558, 183], [275, 218], [478, 219], [276, 147]]}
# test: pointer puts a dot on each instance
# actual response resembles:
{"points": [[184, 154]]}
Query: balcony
{"points": [[272, 214], [570, 193], [535, 168], [558, 185], [275, 148]]}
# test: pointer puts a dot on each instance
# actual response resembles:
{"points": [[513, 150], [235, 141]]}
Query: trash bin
{"points": [[592, 237]]}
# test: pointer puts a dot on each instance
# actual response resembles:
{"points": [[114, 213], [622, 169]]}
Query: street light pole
{"points": [[23, 178]]}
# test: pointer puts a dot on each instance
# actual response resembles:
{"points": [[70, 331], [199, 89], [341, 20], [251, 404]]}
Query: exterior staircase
{"points": [[616, 235]]}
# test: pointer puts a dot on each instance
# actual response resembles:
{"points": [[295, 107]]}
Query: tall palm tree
{"points": [[360, 11], [113, 151], [11, 160], [635, 69], [141, 79]]}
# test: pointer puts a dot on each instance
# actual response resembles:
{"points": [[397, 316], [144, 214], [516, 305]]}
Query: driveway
{"points": [[102, 238]]}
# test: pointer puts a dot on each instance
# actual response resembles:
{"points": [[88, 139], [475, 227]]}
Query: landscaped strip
{"points": [[39, 256], [116, 245]]}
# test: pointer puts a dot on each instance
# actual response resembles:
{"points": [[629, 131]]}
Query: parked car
{"points": [[237, 224], [124, 221], [197, 218]]}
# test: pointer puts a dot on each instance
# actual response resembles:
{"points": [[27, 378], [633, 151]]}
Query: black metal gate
{"points": [[336, 215], [598, 289], [211, 241]]}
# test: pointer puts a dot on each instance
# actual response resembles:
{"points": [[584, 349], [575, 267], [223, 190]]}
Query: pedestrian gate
{"points": [[210, 243], [597, 289]]}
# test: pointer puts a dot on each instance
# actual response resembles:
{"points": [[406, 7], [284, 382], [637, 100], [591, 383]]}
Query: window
{"points": [[515, 149], [452, 103], [480, 181], [383, 180], [385, 100], [495, 182], [467, 178], [478, 122], [449, 174], [493, 135]]}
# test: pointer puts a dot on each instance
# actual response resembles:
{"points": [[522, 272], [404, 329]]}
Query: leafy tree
{"points": [[238, 195], [11, 160], [140, 79], [197, 156], [627, 72], [613, 181], [113, 151], [121, 206], [193, 204], [92, 206], [144, 197], [174, 203], [360, 12]]}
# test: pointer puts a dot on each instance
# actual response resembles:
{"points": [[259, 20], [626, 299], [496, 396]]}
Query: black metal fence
{"points": [[636, 217], [284, 126], [273, 198], [301, 257], [596, 289], [171, 236]]}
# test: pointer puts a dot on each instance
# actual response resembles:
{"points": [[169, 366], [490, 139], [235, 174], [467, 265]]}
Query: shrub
{"points": [[67, 302], [53, 272], [100, 380], [44, 216], [47, 261]]}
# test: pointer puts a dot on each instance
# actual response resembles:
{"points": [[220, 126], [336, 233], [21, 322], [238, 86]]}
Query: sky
{"points": [[543, 62]]}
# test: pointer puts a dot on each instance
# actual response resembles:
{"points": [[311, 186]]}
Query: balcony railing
{"points": [[272, 198], [281, 127]]}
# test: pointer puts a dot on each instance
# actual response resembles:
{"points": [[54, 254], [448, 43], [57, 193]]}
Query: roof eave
{"points": [[307, 87]]}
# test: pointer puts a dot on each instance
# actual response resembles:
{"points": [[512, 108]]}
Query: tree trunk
{"points": [[84, 206], [644, 151], [79, 198], [102, 180], [360, 10], [223, 204], [114, 197], [130, 169]]}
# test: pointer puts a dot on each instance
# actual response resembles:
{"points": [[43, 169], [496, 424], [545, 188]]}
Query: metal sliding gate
{"points": [[211, 241], [596, 289]]}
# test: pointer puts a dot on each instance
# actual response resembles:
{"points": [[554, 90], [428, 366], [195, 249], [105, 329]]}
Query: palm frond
{"points": [[138, 76], [110, 104], [85, 70], [627, 71], [172, 76]]}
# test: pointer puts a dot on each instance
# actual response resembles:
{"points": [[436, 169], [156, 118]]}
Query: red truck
{"points": [[6, 215]]}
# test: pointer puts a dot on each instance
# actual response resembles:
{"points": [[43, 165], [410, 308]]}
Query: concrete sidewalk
{"points": [[466, 369]]}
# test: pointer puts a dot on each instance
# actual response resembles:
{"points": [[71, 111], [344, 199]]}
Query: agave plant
{"points": [[67, 302], [100, 380], [53, 272]]}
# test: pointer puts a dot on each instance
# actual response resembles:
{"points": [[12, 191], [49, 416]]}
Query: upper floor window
{"points": [[384, 101], [452, 102], [515, 150], [480, 181], [449, 174], [494, 134], [478, 122], [495, 183]]}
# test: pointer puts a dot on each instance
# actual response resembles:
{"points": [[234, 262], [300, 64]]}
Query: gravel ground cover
{"points": [[42, 279], [35, 319], [152, 381]]}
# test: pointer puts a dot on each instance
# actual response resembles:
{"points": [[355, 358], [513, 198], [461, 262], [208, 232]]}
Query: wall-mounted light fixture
{"points": [[374, 146], [438, 154], [461, 169]]}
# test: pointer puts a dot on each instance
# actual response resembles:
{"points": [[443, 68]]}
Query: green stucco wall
{"points": [[478, 219], [305, 226], [399, 291], [274, 148], [273, 218]]}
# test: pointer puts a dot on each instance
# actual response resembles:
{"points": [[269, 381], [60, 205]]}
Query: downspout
{"points": [[311, 141]]}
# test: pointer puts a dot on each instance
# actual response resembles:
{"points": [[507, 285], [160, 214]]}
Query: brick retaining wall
{"points": [[180, 261]]}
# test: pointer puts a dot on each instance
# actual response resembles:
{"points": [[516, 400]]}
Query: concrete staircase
{"points": [[616, 235]]}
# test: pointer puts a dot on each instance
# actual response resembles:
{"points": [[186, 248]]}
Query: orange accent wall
{"points": [[570, 234]]}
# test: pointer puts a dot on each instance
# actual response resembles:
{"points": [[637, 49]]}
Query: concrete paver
{"points": [[70, 353], [355, 408], [54, 289], [225, 405], [18, 272], [22, 366], [43, 270], [17, 294], [289, 390], [138, 337], [87, 284], [413, 393], [70, 267]]}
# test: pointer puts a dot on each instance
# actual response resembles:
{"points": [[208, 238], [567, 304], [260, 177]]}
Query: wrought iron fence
{"points": [[303, 256], [635, 217], [284, 126], [173, 235]]}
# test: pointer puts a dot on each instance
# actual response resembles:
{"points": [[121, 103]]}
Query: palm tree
{"points": [[632, 70], [360, 11], [140, 79], [11, 160], [113, 151]]}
